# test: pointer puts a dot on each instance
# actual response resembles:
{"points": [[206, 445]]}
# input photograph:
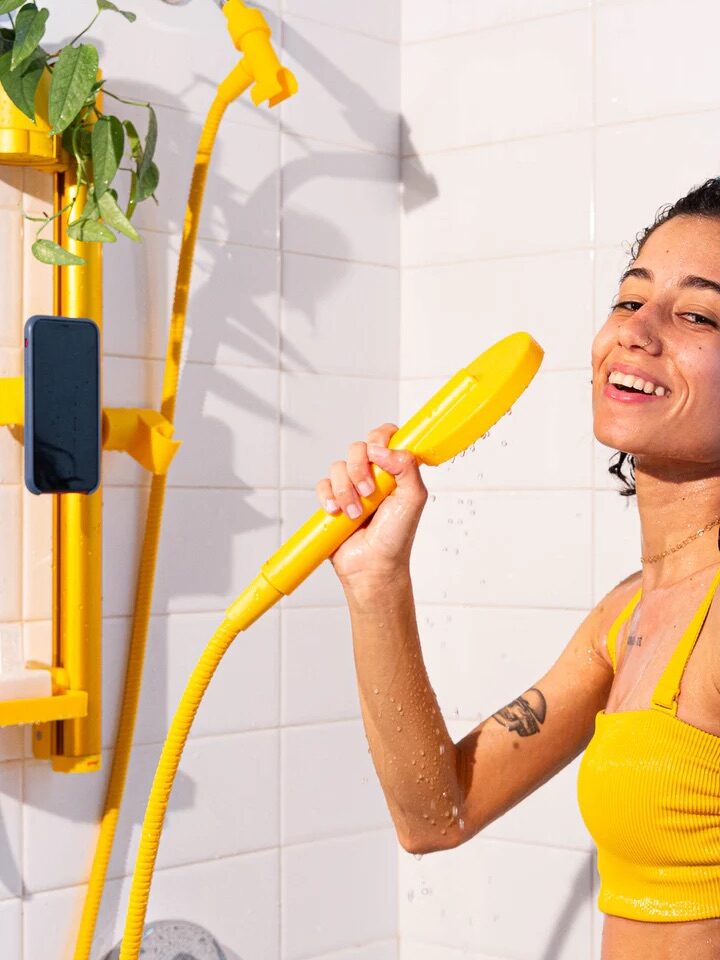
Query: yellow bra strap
{"points": [[624, 615], [668, 689]]}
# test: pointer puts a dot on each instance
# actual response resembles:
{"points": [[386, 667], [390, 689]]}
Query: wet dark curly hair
{"points": [[702, 201]]}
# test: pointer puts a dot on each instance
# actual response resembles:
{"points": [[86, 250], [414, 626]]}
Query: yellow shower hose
{"points": [[232, 87], [462, 411]]}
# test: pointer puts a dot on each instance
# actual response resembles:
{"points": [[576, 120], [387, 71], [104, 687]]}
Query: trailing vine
{"points": [[100, 142]]}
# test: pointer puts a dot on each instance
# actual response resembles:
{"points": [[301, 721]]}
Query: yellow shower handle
{"points": [[453, 419]]}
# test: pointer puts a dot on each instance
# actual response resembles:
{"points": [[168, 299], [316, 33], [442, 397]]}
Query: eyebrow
{"points": [[699, 283]]}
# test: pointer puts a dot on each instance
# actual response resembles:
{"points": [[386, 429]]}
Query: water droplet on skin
{"points": [[418, 856], [433, 822], [375, 690], [461, 823], [392, 699], [443, 832], [399, 707], [442, 749], [454, 811], [422, 753], [398, 729]]}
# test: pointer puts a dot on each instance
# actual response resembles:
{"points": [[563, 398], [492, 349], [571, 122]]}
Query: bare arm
{"points": [[440, 793]]}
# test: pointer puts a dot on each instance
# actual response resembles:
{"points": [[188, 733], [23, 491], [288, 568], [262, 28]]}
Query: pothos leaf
{"points": [[91, 230], [49, 252], [29, 31], [7, 38], [113, 215], [147, 184], [150, 144], [134, 140], [7, 6], [108, 145], [21, 84], [72, 81], [107, 5]]}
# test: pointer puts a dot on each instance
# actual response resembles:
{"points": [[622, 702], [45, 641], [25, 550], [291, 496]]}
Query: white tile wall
{"points": [[337, 891], [243, 807], [374, 18], [454, 311], [439, 906], [484, 94], [428, 20], [343, 101], [494, 201], [648, 78]]}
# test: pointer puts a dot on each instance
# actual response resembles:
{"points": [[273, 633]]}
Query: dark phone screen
{"points": [[66, 406]]}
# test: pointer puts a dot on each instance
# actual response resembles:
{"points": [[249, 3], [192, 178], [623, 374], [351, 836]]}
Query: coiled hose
{"points": [[234, 84]]}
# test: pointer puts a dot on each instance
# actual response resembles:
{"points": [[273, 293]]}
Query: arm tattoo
{"points": [[524, 714]]}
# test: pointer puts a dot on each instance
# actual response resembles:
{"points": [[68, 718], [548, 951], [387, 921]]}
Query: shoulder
{"points": [[608, 609]]}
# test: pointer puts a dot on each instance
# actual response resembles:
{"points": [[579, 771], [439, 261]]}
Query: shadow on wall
{"points": [[228, 318]]}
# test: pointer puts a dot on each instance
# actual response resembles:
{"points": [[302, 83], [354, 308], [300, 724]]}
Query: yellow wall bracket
{"points": [[145, 434]]}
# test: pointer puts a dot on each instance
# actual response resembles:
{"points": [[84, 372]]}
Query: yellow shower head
{"points": [[471, 402], [453, 419]]}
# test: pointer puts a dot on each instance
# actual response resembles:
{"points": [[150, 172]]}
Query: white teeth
{"points": [[637, 383]]}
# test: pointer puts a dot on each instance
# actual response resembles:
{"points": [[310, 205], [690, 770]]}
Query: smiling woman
{"points": [[638, 684]]}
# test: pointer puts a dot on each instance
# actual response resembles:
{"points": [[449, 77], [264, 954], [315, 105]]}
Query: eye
{"points": [[631, 305], [700, 319]]}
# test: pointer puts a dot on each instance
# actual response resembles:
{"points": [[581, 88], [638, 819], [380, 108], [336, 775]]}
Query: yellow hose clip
{"points": [[250, 33], [145, 434]]}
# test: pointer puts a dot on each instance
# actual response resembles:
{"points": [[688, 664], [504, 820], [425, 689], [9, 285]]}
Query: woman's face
{"points": [[665, 327]]}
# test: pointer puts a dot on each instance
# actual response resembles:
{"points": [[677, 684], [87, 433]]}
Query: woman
{"points": [[649, 783]]}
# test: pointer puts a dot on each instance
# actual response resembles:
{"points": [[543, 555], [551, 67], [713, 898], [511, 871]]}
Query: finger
{"points": [[383, 434], [402, 465], [325, 496], [343, 490], [358, 467]]}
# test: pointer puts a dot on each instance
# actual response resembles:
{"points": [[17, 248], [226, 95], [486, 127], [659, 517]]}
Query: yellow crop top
{"points": [[649, 793]]}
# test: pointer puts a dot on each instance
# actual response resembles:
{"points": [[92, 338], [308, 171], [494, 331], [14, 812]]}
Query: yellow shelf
{"points": [[64, 706]]}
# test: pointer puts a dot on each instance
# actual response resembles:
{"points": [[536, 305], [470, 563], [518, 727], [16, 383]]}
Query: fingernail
{"points": [[375, 450], [354, 511], [365, 488], [331, 506]]}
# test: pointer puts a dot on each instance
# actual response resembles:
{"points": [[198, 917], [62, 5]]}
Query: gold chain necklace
{"points": [[683, 543]]}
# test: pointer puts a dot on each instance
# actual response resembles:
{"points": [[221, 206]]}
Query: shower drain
{"points": [[175, 940]]}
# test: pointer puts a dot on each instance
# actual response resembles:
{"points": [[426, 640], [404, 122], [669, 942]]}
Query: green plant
{"points": [[98, 141]]}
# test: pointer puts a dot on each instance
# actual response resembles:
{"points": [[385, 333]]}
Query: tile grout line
{"points": [[280, 391]]}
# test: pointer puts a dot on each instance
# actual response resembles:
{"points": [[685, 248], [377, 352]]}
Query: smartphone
{"points": [[62, 405]]}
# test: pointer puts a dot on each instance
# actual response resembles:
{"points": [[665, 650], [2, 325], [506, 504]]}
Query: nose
{"points": [[638, 331]]}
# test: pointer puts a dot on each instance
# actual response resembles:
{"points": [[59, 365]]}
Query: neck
{"points": [[674, 504]]}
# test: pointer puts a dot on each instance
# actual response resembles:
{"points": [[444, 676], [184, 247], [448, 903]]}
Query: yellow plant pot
{"points": [[28, 144]]}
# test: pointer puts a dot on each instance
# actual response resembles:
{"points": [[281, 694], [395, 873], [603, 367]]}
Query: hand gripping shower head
{"points": [[452, 420]]}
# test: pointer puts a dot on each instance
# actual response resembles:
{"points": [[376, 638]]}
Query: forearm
{"points": [[414, 756]]}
